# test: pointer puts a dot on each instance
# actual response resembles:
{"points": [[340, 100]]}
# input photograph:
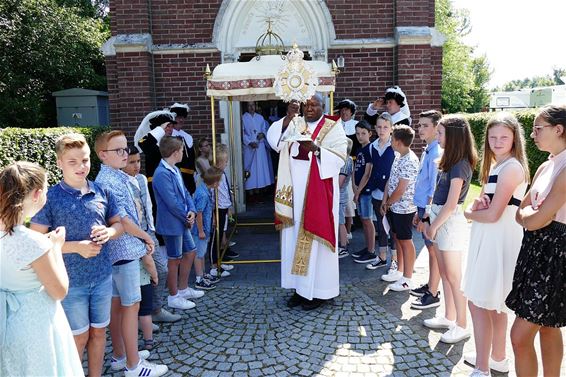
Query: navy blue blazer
{"points": [[173, 202]]}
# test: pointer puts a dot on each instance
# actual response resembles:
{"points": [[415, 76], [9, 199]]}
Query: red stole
{"points": [[318, 218]]}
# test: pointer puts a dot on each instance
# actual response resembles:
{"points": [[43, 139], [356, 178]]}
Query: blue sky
{"points": [[521, 38]]}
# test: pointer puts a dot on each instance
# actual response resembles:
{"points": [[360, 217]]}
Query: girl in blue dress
{"points": [[35, 337]]}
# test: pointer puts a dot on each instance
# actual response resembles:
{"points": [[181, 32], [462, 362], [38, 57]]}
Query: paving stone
{"points": [[239, 366], [243, 328]]}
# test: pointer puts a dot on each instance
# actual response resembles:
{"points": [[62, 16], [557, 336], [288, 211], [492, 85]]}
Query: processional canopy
{"points": [[271, 75]]}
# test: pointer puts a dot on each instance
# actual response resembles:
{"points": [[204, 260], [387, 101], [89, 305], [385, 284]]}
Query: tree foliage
{"points": [[464, 78], [45, 46], [536, 81]]}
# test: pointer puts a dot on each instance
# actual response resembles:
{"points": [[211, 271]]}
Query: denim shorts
{"points": [[178, 245], [420, 213], [88, 306], [342, 213], [365, 209], [126, 282], [202, 246]]}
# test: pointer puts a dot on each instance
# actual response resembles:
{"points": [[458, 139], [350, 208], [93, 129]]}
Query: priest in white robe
{"points": [[257, 161], [306, 202]]}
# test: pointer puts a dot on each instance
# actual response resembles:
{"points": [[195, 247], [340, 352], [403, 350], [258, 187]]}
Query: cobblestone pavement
{"points": [[243, 327]]}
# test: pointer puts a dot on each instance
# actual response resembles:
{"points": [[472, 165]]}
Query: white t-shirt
{"points": [[404, 167]]}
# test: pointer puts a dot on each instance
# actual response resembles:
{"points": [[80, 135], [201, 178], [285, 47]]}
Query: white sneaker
{"points": [[121, 364], [227, 267], [165, 316], [214, 272], [439, 323], [393, 274], [147, 369], [177, 302], [188, 293], [401, 285], [454, 335], [498, 366]]}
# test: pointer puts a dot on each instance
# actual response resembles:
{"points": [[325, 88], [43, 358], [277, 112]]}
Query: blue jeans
{"points": [[88, 306]]}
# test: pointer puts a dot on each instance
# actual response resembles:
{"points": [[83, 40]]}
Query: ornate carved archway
{"points": [[305, 22]]}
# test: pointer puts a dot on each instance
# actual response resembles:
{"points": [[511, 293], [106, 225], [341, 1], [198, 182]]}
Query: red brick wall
{"points": [[414, 13], [418, 75], [362, 18], [133, 92], [436, 77], [179, 78], [129, 17], [367, 73], [113, 95], [185, 21]]}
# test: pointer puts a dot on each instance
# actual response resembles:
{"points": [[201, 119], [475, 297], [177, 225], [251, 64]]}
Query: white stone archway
{"points": [[240, 23], [305, 22]]}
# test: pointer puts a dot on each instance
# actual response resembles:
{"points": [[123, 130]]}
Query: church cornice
{"points": [[408, 35]]}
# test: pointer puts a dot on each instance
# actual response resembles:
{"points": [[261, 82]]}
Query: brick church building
{"points": [[159, 50]]}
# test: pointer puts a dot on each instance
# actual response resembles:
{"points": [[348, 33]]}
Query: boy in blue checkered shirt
{"points": [[125, 253]]}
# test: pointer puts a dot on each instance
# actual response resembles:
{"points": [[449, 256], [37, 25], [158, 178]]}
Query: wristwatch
{"points": [[317, 152]]}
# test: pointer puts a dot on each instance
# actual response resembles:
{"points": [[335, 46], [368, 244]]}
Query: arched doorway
{"points": [[237, 27]]}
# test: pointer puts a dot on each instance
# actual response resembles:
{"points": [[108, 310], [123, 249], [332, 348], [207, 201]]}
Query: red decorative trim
{"points": [[256, 83], [327, 81]]}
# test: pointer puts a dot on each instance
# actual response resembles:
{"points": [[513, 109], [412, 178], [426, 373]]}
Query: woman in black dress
{"points": [[539, 282]]}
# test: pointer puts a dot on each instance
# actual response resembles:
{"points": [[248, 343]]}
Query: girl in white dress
{"points": [[495, 240], [35, 337]]}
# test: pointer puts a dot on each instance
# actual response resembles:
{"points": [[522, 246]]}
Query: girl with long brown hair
{"points": [[447, 226]]}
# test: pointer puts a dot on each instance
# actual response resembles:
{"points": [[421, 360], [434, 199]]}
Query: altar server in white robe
{"points": [[306, 203], [257, 160]]}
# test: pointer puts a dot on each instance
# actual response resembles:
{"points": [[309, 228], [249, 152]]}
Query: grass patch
{"points": [[473, 192]]}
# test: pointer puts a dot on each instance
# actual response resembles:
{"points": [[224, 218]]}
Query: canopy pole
{"points": [[217, 233], [207, 75], [331, 110], [336, 71], [232, 148]]}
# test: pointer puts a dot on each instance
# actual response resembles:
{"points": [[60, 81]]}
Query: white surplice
{"points": [[322, 279], [256, 160]]}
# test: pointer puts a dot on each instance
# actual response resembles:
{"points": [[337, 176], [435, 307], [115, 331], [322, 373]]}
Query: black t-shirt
{"points": [[463, 170], [363, 157]]}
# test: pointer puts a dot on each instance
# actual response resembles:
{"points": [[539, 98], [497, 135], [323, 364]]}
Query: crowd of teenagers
{"points": [[90, 257], [515, 254]]}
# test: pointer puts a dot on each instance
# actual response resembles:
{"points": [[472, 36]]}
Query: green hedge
{"points": [[38, 145], [478, 122]]}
